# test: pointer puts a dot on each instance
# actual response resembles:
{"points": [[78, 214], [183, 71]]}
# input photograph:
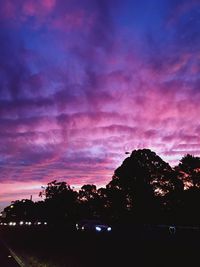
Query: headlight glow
{"points": [[98, 228], [109, 229]]}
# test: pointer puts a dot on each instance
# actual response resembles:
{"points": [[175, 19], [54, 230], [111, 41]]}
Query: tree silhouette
{"points": [[92, 201], [55, 189], [20, 210], [87, 192], [189, 168], [140, 179], [143, 189], [61, 201]]}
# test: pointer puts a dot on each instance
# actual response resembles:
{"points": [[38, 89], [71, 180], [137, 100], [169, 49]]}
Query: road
{"points": [[123, 248], [6, 257]]}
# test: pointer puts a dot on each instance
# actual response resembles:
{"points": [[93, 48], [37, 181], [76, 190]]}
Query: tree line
{"points": [[144, 189]]}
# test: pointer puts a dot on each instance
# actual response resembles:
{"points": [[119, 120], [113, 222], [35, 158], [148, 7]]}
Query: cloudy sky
{"points": [[84, 81]]}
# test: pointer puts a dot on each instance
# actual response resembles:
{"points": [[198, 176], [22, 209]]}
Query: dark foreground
{"points": [[6, 257], [136, 246]]}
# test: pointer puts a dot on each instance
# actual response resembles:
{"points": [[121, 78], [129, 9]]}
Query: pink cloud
{"points": [[84, 93], [180, 9], [65, 18], [10, 190], [77, 20], [8, 9]]}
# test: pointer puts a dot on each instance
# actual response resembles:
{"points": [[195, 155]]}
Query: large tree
{"points": [[20, 210], [189, 169], [140, 179], [61, 201], [93, 201]]}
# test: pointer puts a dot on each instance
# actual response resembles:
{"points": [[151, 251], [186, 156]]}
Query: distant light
{"points": [[12, 223], [109, 229], [98, 228], [83, 228], [39, 223], [12, 206], [45, 223], [9, 256], [5, 223], [21, 223], [29, 223]]}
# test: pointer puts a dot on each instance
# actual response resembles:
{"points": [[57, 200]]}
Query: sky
{"points": [[84, 81]]}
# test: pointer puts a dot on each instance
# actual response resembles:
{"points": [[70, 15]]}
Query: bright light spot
{"points": [[9, 256], [21, 223], [98, 228], [14, 223], [82, 227], [11, 206], [10, 223], [39, 223], [29, 223], [45, 223], [109, 229]]}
